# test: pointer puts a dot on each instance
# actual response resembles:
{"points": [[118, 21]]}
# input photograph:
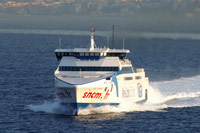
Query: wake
{"points": [[179, 93]]}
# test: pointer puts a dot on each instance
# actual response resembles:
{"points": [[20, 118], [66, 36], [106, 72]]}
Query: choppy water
{"points": [[27, 64]]}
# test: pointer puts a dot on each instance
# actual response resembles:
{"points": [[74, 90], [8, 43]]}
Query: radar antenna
{"points": [[92, 43]]}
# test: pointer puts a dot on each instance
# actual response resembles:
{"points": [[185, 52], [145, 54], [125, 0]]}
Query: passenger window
{"points": [[109, 68], [138, 77], [87, 68], [70, 68], [128, 78]]}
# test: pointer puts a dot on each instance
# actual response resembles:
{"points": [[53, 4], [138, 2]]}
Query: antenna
{"points": [[123, 43], [113, 28], [60, 42], [108, 38]]}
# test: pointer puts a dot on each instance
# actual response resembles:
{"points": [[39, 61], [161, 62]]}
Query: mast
{"points": [[123, 43], [60, 42], [92, 43], [108, 39], [113, 28]]}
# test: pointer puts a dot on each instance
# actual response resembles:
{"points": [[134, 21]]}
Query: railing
{"points": [[139, 70], [125, 62], [81, 76]]}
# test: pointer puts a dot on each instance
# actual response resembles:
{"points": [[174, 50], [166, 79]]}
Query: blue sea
{"points": [[28, 103]]}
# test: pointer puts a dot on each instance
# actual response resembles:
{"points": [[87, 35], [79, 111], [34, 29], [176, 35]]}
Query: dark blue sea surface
{"points": [[28, 62]]}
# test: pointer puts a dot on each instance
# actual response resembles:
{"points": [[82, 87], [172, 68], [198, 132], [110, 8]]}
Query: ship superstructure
{"points": [[97, 76]]}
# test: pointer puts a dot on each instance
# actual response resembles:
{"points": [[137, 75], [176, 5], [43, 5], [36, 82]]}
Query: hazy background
{"points": [[166, 16]]}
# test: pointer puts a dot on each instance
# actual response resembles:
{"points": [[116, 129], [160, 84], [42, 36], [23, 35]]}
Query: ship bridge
{"points": [[91, 53], [96, 53]]}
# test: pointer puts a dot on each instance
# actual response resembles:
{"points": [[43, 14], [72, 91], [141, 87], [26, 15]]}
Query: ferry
{"points": [[97, 77]]}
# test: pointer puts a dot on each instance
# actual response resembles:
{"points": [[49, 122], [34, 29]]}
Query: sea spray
{"points": [[48, 107]]}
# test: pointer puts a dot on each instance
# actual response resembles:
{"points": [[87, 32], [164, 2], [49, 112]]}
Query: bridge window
{"points": [[96, 54], [66, 54], [127, 70], [91, 54], [86, 54], [120, 55], [58, 54], [101, 54]]}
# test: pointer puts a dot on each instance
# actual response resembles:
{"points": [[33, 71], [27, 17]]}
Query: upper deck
{"points": [[93, 52]]}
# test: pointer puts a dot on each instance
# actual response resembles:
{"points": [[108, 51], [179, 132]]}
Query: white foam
{"points": [[48, 107], [183, 92]]}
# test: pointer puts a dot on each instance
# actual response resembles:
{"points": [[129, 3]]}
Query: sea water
{"points": [[28, 102]]}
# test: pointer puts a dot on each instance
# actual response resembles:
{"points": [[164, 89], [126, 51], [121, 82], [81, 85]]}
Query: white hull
{"points": [[110, 90]]}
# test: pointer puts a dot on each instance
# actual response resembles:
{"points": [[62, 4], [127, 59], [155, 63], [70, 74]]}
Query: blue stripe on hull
{"points": [[72, 108], [114, 79]]}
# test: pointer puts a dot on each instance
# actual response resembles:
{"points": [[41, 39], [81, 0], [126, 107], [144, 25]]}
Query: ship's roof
{"points": [[105, 50], [105, 61]]}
